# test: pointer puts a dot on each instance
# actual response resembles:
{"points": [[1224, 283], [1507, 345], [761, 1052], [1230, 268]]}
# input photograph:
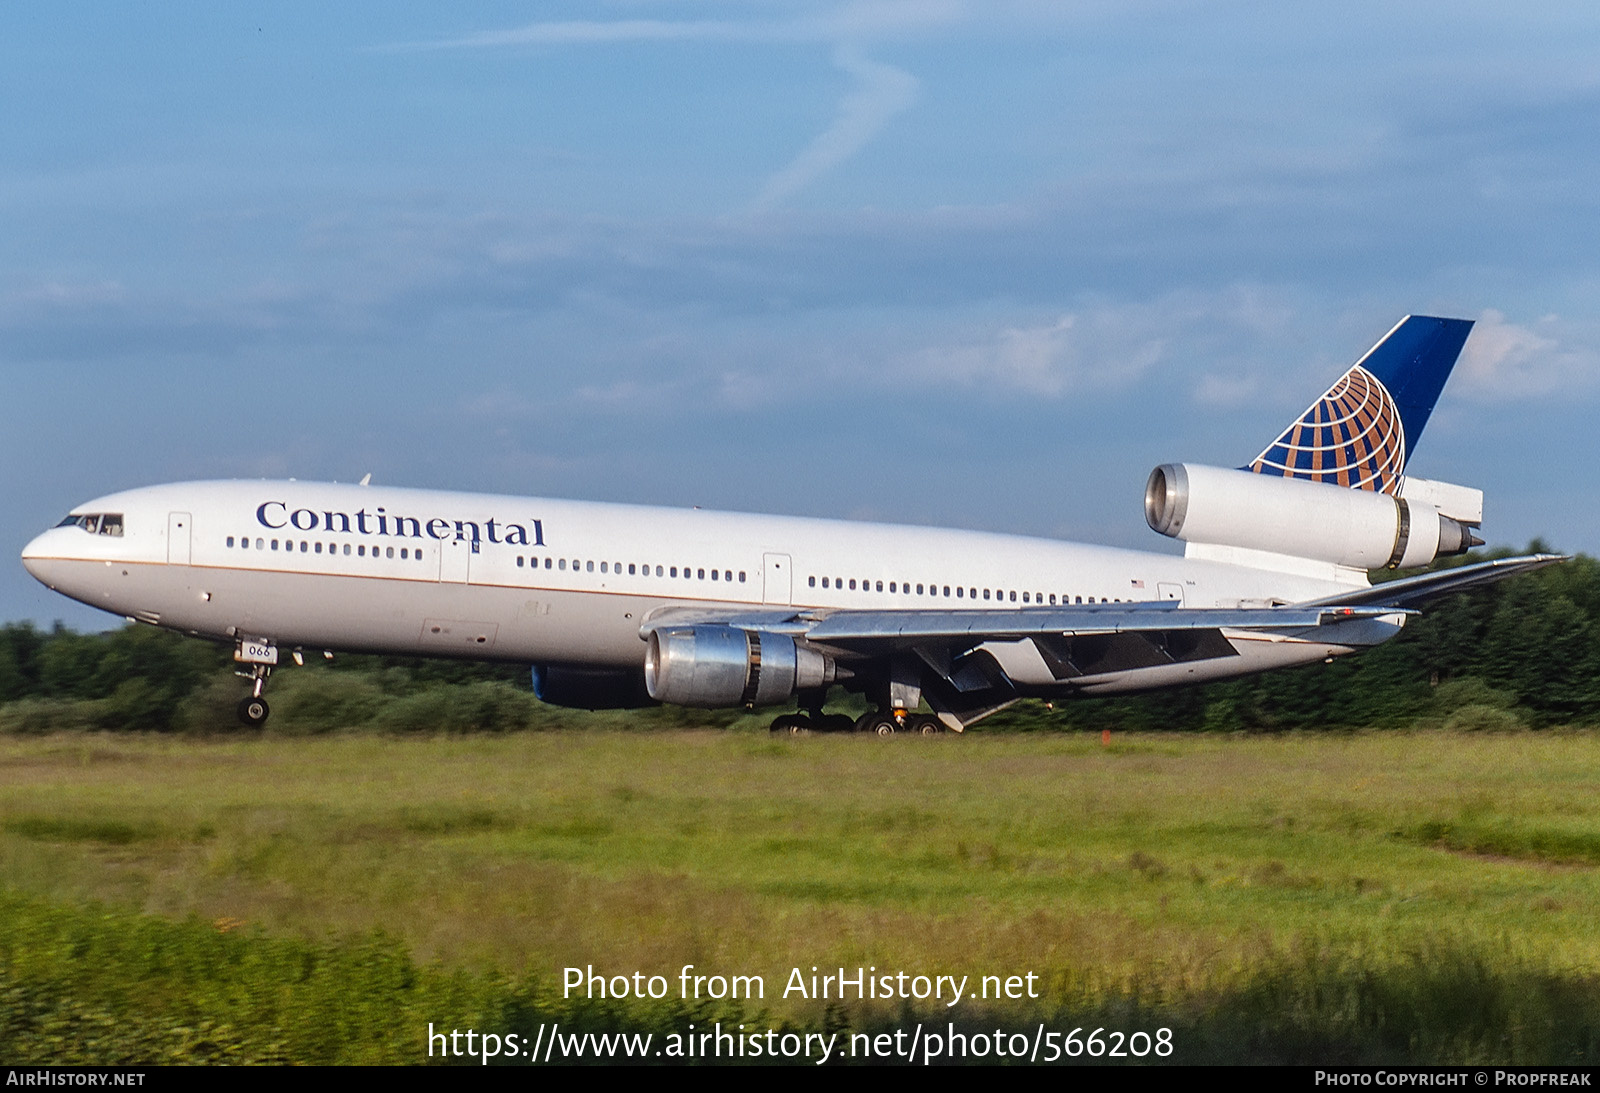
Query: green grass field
{"points": [[1403, 895]]}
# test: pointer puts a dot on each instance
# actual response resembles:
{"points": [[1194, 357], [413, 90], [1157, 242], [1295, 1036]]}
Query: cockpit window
{"points": [[95, 523]]}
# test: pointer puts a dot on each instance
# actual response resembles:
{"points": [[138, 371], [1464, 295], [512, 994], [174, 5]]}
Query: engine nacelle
{"points": [[1356, 528], [717, 666], [582, 688]]}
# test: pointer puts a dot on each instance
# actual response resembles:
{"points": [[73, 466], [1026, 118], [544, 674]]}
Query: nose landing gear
{"points": [[258, 657]]}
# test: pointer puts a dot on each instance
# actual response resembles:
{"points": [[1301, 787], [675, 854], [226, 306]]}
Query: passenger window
{"points": [[714, 574], [891, 586], [919, 590], [852, 584], [274, 544], [1013, 596], [631, 569], [388, 552], [230, 540], [880, 586], [260, 544], [960, 592], [947, 590], [589, 567], [347, 550], [741, 576], [658, 571], [702, 575]]}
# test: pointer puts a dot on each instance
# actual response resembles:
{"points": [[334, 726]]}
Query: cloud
{"points": [[1218, 390], [868, 19], [881, 92], [1048, 360], [590, 32], [1503, 360]]}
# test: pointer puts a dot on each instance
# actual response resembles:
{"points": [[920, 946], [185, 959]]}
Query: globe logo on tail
{"points": [[1351, 437]]}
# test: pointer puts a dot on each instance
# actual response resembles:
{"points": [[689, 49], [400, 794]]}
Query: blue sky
{"points": [[976, 264]]}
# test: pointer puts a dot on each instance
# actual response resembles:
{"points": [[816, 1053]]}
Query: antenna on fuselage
{"points": [[366, 479]]}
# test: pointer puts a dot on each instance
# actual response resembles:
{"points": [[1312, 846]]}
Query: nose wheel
{"points": [[253, 712]]}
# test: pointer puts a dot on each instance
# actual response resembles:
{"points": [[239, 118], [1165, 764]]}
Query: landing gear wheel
{"points": [[835, 722], [254, 711], [926, 725], [878, 724], [792, 723]]}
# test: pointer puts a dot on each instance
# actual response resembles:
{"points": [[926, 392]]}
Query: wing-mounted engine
{"points": [[717, 666], [1361, 529], [580, 687]]}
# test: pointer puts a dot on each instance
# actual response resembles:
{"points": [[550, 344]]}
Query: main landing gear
{"points": [[878, 723]]}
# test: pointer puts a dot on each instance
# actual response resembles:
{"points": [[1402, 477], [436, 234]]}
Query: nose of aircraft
{"points": [[33, 555]]}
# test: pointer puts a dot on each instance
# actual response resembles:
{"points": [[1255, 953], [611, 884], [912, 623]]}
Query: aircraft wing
{"points": [[981, 660], [1004, 652], [871, 632], [1409, 591]]}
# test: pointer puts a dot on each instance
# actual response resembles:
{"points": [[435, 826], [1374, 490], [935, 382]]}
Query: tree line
{"points": [[1524, 651]]}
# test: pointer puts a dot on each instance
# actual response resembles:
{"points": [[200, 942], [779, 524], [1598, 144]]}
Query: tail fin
{"points": [[1360, 434]]}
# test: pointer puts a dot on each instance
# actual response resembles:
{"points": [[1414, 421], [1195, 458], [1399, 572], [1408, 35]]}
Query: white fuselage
{"points": [[434, 573]]}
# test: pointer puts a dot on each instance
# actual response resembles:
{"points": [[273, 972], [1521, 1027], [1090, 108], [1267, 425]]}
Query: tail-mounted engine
{"points": [[1357, 528], [714, 666]]}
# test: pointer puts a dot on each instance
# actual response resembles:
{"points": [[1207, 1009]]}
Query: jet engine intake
{"points": [[586, 688], [1357, 528], [713, 666]]}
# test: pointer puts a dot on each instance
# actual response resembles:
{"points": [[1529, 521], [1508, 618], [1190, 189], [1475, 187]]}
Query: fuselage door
{"points": [[178, 538], [455, 557], [1168, 591], [777, 586]]}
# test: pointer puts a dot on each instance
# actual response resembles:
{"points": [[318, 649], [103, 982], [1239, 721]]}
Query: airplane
{"points": [[622, 606]]}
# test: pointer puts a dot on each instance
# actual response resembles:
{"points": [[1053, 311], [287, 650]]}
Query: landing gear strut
{"points": [[258, 659]]}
